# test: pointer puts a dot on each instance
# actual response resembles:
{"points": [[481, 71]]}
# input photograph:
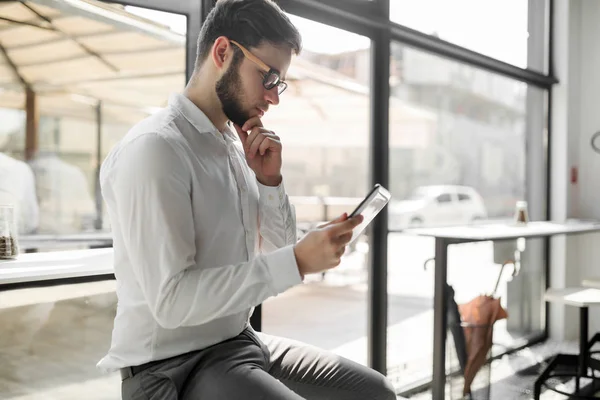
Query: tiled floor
{"points": [[507, 383]]}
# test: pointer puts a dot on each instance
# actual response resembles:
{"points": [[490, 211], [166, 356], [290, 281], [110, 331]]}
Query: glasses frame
{"points": [[280, 83]]}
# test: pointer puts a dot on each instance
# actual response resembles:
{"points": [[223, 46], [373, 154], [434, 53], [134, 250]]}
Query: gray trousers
{"points": [[256, 366]]}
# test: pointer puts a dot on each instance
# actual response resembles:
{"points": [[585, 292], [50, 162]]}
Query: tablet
{"points": [[371, 205]]}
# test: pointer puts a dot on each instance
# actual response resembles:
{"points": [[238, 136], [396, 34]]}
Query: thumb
{"points": [[241, 134], [346, 226], [335, 221]]}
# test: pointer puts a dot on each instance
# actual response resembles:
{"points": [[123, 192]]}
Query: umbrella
{"points": [[472, 326], [456, 328], [455, 324], [478, 317]]}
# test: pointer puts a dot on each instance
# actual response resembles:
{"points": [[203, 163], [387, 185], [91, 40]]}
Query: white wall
{"points": [[575, 117]]}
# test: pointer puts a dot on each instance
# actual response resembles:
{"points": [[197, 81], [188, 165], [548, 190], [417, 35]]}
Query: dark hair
{"points": [[248, 22]]}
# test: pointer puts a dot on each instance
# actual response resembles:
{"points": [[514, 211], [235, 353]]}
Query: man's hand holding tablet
{"points": [[371, 205], [322, 249]]}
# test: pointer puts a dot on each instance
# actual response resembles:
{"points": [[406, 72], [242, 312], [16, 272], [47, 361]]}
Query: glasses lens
{"points": [[271, 80], [281, 87]]}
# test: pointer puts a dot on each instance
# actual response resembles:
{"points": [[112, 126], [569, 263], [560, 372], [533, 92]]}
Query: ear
{"points": [[221, 52]]}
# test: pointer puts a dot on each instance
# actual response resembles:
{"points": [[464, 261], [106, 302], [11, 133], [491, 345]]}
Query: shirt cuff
{"points": [[273, 196], [283, 268]]}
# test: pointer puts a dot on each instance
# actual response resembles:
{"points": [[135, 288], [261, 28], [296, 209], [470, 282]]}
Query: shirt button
{"points": [[270, 197]]}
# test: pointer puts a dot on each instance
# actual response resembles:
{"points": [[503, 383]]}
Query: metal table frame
{"points": [[447, 236]]}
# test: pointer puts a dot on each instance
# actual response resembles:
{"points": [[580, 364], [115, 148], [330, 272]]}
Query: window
{"points": [[444, 198], [476, 25], [66, 96], [83, 85], [323, 122], [458, 126], [463, 197]]}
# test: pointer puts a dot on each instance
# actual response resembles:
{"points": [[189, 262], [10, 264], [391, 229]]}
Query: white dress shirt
{"points": [[198, 241]]}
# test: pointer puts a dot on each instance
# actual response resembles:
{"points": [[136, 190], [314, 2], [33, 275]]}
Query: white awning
{"points": [[73, 53]]}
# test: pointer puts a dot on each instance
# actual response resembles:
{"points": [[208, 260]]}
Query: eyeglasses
{"points": [[271, 77]]}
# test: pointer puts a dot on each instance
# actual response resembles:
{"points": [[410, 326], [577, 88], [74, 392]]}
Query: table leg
{"points": [[440, 321], [583, 341]]}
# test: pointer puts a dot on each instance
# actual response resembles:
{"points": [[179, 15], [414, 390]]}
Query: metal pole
{"points": [[194, 23], [378, 238], [440, 322]]}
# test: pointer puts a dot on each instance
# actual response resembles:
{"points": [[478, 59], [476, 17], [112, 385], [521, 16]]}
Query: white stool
{"points": [[583, 298], [591, 282]]}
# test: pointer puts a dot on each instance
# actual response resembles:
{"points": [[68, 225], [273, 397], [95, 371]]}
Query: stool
{"points": [[591, 283], [582, 298]]}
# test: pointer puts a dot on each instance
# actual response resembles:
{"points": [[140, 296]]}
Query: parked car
{"points": [[437, 206]]}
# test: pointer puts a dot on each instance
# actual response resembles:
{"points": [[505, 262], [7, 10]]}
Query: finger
{"points": [[252, 136], [241, 134], [256, 143], [257, 131], [345, 226], [344, 239], [252, 123], [269, 144], [340, 252], [335, 221]]}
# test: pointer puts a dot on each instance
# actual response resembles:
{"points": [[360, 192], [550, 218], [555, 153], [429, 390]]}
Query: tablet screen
{"points": [[369, 208]]}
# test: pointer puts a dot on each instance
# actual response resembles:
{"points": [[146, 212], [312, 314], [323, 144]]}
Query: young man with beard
{"points": [[203, 232]]}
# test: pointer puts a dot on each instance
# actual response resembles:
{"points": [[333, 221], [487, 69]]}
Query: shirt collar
{"points": [[196, 117]]}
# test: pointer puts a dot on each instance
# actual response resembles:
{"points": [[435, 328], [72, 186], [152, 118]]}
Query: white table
{"points": [[446, 236], [56, 265], [89, 239]]}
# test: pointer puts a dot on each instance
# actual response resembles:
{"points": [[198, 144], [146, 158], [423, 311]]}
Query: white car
{"points": [[437, 206]]}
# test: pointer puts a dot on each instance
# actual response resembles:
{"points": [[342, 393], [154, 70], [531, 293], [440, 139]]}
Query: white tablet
{"points": [[371, 205]]}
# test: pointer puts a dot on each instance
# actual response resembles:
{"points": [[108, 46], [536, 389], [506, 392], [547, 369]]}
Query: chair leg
{"points": [[594, 364], [571, 360], [595, 339]]}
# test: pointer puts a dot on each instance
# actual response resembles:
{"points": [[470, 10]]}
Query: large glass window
{"points": [[499, 29], [465, 145], [73, 80], [323, 122], [461, 144]]}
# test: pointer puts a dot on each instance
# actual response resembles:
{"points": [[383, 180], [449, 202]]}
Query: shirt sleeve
{"points": [[277, 218], [151, 192]]}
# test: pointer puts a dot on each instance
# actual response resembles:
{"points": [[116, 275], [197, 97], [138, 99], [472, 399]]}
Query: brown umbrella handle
{"points": [[427, 262], [515, 271]]}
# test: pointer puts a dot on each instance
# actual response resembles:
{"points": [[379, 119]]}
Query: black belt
{"points": [[130, 372]]}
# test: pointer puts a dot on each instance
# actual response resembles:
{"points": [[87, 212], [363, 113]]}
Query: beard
{"points": [[228, 91]]}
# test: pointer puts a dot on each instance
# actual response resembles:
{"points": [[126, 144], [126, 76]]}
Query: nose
{"points": [[272, 96]]}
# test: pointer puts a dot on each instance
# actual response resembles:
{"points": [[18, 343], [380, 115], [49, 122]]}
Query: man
{"points": [[203, 232], [17, 188]]}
